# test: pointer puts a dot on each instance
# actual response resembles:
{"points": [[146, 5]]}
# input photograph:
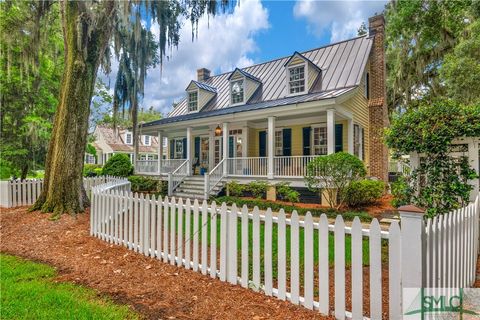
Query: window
{"points": [[279, 143], [204, 151], [319, 140], [178, 149], [193, 101], [128, 138], [296, 80], [89, 158], [236, 88], [146, 140]]}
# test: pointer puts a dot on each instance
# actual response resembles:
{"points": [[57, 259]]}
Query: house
{"points": [[109, 142], [313, 103]]}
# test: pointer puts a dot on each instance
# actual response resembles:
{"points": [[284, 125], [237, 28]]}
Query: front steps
{"points": [[193, 187]]}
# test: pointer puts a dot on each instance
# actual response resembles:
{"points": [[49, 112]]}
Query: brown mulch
{"points": [[154, 289]]}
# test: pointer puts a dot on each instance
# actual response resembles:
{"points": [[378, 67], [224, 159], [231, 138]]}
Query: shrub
{"points": [[402, 193], [119, 166], [286, 193], [334, 172], [91, 170], [363, 192], [258, 188], [143, 184], [235, 189]]}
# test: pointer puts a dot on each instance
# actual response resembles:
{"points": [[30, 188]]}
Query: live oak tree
{"points": [[90, 29]]}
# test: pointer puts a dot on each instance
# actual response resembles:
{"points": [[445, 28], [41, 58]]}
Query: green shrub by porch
{"points": [[235, 189], [364, 192], [287, 193], [119, 166], [91, 170], [258, 188], [143, 184]]}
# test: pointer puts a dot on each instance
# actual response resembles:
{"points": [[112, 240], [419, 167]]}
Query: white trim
{"points": [[145, 140], [128, 134], [305, 79], [243, 79], [188, 100]]}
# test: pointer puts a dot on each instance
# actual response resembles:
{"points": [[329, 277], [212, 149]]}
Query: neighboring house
{"points": [[313, 103], [109, 142]]}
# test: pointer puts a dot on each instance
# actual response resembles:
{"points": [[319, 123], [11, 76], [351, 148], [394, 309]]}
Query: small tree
{"points": [[334, 173], [119, 166]]}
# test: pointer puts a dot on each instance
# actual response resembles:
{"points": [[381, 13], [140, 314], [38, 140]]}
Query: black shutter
{"points": [[338, 137], [262, 144], [287, 142], [172, 149], [197, 148], [306, 141], [231, 146], [363, 144], [185, 148]]}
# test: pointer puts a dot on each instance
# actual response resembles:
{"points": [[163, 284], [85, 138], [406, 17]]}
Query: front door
{"points": [[217, 154]]}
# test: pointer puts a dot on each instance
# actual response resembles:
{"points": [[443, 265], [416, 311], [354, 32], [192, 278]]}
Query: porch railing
{"points": [[170, 165], [399, 166], [214, 177], [177, 176], [248, 166], [291, 166], [147, 166]]}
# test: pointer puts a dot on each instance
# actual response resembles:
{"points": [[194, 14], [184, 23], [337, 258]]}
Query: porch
{"points": [[242, 148]]}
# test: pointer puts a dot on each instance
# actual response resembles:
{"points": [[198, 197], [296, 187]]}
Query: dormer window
{"points": [[296, 81], [193, 101], [128, 138], [146, 140], [237, 91]]}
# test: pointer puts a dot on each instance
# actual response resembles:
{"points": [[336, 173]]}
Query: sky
{"points": [[253, 31]]}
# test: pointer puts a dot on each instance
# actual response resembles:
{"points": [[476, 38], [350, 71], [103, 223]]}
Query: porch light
{"points": [[218, 131]]}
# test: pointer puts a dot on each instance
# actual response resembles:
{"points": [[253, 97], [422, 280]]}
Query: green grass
{"points": [[29, 292]]}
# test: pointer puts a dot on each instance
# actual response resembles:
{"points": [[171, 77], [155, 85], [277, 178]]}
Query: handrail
{"points": [[177, 176], [213, 177]]}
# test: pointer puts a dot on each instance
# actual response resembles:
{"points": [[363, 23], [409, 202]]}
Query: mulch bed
{"points": [[154, 289]]}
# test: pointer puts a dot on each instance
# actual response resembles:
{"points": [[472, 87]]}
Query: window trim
{"points": [[312, 139], [278, 154], [128, 134], [305, 79], [175, 148], [243, 91], [145, 140], [188, 100]]}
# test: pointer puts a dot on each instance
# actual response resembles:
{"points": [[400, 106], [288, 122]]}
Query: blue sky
{"points": [[254, 31]]}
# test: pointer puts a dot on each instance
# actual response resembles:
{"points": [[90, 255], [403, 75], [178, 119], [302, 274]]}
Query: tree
{"points": [[362, 30], [419, 34], [88, 29], [31, 65]]}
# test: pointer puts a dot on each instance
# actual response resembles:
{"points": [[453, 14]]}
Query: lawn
{"points": [[28, 291]]}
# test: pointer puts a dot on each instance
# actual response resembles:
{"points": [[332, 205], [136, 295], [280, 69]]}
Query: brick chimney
{"points": [[377, 102], [203, 74]]}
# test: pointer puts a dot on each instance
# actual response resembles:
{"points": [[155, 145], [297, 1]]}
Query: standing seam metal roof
{"points": [[342, 66]]}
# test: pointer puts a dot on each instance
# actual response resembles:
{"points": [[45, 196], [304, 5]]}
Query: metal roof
{"points": [[245, 74], [254, 106], [342, 66], [203, 86]]}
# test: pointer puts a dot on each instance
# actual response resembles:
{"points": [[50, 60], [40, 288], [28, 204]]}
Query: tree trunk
{"points": [[63, 190]]}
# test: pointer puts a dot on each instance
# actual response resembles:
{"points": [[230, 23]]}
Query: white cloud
{"points": [[340, 19], [224, 42]]}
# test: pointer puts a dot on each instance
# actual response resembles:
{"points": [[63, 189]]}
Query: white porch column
{"points": [[225, 147], [160, 151], [330, 131], [245, 142], [189, 150], [350, 135], [211, 149], [271, 146]]}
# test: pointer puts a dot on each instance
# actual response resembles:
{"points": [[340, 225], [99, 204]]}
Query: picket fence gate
{"points": [[14, 193]]}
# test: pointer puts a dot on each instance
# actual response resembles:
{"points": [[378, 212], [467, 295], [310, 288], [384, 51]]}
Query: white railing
{"points": [[14, 193], [399, 166], [213, 178], [177, 176], [291, 166], [247, 166], [452, 248], [170, 165], [147, 166], [185, 234]]}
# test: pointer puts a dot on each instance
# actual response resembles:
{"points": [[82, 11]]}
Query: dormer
{"points": [[242, 87], [301, 74], [199, 95]]}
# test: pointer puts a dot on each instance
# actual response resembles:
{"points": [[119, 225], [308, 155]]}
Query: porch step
{"points": [[193, 188]]}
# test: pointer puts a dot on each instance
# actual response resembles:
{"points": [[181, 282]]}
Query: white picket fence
{"points": [[452, 245], [14, 193], [185, 234]]}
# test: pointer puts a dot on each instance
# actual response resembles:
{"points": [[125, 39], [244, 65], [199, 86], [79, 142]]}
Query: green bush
{"points": [[402, 192], [258, 188], [143, 184], [235, 189], [334, 173], [119, 166], [286, 193], [92, 170], [364, 192]]}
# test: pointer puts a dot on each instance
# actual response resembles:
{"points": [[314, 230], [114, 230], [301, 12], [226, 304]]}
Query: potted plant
{"points": [[203, 169]]}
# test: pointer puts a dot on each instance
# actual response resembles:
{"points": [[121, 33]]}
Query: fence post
{"points": [[413, 248], [6, 194], [207, 182], [170, 184]]}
